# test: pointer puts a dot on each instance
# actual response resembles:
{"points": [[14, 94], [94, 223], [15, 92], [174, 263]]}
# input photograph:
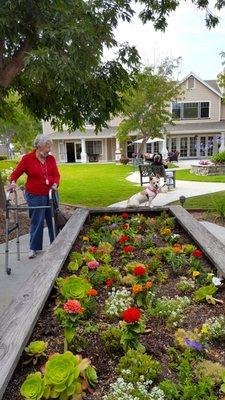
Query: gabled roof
{"points": [[210, 84]]}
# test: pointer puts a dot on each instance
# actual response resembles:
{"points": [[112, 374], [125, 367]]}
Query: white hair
{"points": [[41, 141]]}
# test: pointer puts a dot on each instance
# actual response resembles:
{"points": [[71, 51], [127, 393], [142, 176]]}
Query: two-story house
{"points": [[199, 129]]}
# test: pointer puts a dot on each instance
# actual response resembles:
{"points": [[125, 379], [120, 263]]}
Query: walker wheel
{"points": [[8, 271]]}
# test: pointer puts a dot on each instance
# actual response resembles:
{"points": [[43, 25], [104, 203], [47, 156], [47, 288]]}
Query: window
{"points": [[93, 147], [183, 146], [195, 110], [191, 82], [193, 146], [176, 110], [156, 147], [204, 105], [210, 145], [173, 144], [202, 145]]}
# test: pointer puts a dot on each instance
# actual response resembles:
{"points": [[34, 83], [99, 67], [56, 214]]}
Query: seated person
{"points": [[158, 160]]}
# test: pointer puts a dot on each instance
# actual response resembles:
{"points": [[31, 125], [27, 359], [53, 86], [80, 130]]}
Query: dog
{"points": [[147, 195]]}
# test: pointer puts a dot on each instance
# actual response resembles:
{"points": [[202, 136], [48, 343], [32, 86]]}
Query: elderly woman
{"points": [[42, 174]]}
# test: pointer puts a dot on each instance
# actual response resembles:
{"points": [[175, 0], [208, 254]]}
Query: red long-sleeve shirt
{"points": [[40, 177]]}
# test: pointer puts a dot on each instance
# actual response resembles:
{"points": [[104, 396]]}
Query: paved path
{"points": [[183, 188], [21, 270]]}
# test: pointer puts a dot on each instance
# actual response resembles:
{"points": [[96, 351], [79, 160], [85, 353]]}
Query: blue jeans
{"points": [[37, 219]]}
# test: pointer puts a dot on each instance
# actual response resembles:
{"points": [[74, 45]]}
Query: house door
{"points": [[78, 151], [70, 152]]}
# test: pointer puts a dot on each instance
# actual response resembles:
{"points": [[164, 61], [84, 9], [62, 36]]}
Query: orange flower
{"points": [[92, 292], [136, 288], [153, 221], [148, 284], [177, 248]]}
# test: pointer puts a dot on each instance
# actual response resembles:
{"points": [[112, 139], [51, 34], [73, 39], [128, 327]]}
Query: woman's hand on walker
{"points": [[54, 186]]}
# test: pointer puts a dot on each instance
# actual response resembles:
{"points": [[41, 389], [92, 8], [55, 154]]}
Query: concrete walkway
{"points": [[183, 188], [21, 270]]}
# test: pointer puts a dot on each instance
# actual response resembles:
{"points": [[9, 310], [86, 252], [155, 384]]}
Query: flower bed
{"points": [[208, 169], [139, 302]]}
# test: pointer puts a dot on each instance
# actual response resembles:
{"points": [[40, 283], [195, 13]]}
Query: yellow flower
{"points": [[107, 218], [165, 231], [195, 273], [136, 288], [85, 239], [204, 329]]}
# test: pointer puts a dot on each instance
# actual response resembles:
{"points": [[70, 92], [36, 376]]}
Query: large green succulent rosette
{"points": [[74, 287], [33, 387], [61, 373]]}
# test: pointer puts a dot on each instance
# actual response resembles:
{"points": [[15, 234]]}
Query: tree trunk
{"points": [[13, 68]]}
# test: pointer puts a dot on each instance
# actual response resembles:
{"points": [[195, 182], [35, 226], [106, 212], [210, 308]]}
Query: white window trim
{"points": [[95, 140], [193, 101]]}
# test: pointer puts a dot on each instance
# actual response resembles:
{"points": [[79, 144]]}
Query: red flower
{"points": [[139, 271], [128, 249], [131, 315], [109, 283], [123, 239], [73, 307], [125, 227], [197, 253], [92, 249], [125, 215]]}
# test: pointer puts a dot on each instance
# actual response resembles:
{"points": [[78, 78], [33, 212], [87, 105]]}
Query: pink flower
{"points": [[73, 307], [93, 264]]}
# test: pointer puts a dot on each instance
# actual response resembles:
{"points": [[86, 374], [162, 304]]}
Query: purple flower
{"points": [[193, 344], [113, 226]]}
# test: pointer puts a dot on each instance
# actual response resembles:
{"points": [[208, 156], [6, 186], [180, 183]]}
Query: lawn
{"points": [[92, 185], [185, 175], [205, 201]]}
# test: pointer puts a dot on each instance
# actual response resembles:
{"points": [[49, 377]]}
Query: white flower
{"points": [[217, 281]]}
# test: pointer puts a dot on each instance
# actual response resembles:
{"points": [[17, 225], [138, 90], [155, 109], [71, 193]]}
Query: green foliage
{"points": [[177, 262], [36, 349], [219, 207], [205, 293], [19, 126], [170, 308], [73, 287], [103, 273], [91, 375], [146, 104], [139, 364], [130, 335], [186, 388], [33, 387], [219, 157], [185, 284], [76, 261], [3, 157], [215, 327], [213, 370], [111, 338]]}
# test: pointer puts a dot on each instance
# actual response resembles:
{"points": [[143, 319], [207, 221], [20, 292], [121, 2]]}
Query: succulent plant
{"points": [[33, 387], [91, 375], [74, 287], [36, 348]]}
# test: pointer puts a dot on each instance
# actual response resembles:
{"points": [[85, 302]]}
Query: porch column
{"points": [[164, 150], [222, 146], [118, 151], [83, 151]]}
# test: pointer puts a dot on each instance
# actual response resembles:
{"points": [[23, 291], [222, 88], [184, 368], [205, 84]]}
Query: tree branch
{"points": [[14, 67]]}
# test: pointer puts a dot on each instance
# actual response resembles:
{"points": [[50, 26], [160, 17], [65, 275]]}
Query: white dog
{"points": [[147, 195]]}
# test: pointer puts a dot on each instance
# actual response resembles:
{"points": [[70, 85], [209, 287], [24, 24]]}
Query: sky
{"points": [[186, 36]]}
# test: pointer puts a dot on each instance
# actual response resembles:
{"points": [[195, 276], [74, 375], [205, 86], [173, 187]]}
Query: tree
{"points": [[146, 107], [18, 127], [51, 55]]}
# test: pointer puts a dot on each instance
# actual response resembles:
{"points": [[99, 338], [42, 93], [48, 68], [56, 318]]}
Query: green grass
{"points": [[185, 175], [92, 185], [205, 201]]}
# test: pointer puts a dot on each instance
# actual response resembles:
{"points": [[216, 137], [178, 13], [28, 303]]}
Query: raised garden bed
{"points": [[144, 256], [207, 170]]}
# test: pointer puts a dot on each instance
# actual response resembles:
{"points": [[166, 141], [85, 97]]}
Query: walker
{"points": [[9, 197]]}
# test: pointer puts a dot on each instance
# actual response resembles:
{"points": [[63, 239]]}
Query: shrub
{"points": [[111, 338], [139, 364], [124, 160], [3, 157], [219, 157], [213, 370]]}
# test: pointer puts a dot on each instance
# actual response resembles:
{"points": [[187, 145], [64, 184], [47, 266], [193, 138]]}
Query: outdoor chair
{"points": [[147, 170]]}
